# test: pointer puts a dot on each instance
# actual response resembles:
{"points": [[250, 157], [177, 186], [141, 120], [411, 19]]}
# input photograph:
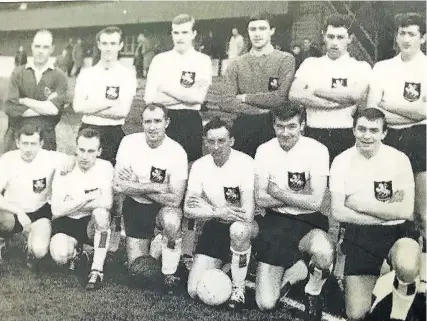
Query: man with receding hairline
{"points": [[37, 93]]}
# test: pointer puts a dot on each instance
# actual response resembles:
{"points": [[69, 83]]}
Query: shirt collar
{"points": [[49, 65], [266, 51]]}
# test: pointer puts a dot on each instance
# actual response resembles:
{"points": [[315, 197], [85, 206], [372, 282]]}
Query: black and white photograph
{"points": [[213, 160]]}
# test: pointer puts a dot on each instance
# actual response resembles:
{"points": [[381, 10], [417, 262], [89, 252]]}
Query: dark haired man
{"points": [[290, 183], [330, 87], [220, 191], [372, 189], [399, 89], [26, 179], [256, 83]]}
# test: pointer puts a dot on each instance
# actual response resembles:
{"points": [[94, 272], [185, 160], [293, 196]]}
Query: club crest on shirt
{"points": [[157, 175], [47, 92], [112, 92], [39, 185], [296, 181], [273, 83], [187, 79], [412, 91], [232, 194], [383, 190], [339, 82]]}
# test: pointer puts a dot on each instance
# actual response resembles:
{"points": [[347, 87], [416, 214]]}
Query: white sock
{"points": [[156, 246], [317, 279], [403, 295], [101, 242], [171, 253], [239, 266]]}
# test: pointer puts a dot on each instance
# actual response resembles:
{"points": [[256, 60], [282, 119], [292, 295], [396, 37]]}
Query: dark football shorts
{"points": [[337, 140], [111, 136], [140, 219], [280, 234], [186, 128], [412, 142], [74, 227], [251, 131], [366, 246], [214, 240], [42, 212]]}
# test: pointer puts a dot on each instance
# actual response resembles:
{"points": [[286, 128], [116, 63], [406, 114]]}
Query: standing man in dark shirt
{"points": [[308, 50], [37, 93], [256, 83]]}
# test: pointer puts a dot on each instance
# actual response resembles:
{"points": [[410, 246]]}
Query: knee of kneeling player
{"points": [[405, 259], [171, 219], [321, 251], [101, 218], [240, 234], [265, 302]]}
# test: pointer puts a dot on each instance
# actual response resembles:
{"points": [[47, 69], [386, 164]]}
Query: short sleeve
{"points": [[262, 163], [249, 176], [4, 171], [405, 178], [304, 71], [337, 175], [320, 161], [195, 181], [121, 156], [180, 167]]}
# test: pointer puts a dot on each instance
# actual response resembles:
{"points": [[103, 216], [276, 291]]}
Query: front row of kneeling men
{"points": [[63, 202]]}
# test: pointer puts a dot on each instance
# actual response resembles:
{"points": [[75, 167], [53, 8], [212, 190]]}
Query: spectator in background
{"points": [[69, 59], [236, 45], [309, 50], [78, 57], [138, 60], [296, 51], [207, 46], [61, 61], [20, 57]]}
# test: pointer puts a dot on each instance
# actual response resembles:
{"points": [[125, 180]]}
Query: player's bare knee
{"points": [[240, 235], [319, 246], [171, 221], [7, 221], [405, 259], [101, 218]]}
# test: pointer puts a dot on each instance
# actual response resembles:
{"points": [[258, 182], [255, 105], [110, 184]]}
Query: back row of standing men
{"points": [[263, 81]]}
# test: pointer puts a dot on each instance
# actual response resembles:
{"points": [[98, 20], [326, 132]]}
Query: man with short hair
{"points": [[399, 90], [330, 88], [104, 93], [26, 178], [308, 50], [256, 83], [81, 203], [37, 93], [372, 189], [220, 192], [179, 79], [290, 183], [151, 173]]}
